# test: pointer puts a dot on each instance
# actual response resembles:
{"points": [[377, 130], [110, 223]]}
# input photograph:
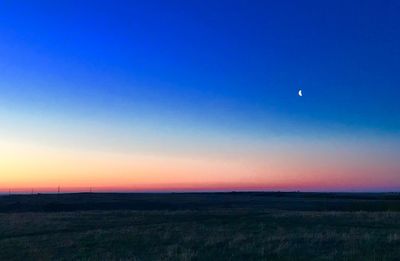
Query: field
{"points": [[200, 226]]}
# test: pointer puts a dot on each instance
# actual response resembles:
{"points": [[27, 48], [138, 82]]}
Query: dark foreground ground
{"points": [[208, 226]]}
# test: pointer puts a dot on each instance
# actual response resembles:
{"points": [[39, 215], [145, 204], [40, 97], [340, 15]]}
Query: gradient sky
{"points": [[200, 95]]}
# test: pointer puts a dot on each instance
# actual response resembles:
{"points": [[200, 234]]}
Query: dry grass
{"points": [[200, 235]]}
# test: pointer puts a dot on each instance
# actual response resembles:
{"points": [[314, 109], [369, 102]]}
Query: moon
{"points": [[300, 93]]}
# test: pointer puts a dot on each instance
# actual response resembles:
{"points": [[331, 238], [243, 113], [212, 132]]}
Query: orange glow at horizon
{"points": [[25, 167]]}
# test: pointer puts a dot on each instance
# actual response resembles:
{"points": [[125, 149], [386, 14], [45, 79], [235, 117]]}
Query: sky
{"points": [[199, 95]]}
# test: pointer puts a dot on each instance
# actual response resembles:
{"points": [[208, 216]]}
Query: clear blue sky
{"points": [[200, 70]]}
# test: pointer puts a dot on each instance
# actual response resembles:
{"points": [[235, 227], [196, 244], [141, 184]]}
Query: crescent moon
{"points": [[300, 93]]}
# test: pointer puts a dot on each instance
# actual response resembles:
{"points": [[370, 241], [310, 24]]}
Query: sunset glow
{"points": [[135, 99]]}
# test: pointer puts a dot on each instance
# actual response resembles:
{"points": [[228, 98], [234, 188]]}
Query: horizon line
{"points": [[55, 192]]}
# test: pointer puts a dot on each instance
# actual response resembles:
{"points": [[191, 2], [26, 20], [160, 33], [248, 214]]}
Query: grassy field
{"points": [[229, 226]]}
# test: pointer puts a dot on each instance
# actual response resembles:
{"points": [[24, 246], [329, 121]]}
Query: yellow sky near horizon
{"points": [[30, 165]]}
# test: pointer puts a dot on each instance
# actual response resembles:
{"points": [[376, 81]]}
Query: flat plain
{"points": [[200, 226]]}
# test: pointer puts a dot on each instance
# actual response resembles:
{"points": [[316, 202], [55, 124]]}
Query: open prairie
{"points": [[200, 226]]}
